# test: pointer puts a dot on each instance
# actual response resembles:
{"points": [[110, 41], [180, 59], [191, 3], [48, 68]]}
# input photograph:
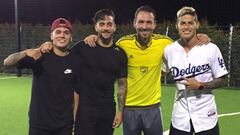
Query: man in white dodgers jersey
{"points": [[197, 70]]}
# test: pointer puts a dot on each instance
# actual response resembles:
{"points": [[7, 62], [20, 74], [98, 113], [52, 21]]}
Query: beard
{"points": [[105, 35]]}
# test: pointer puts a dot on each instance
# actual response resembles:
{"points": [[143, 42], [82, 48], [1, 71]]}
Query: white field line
{"points": [[220, 115], [228, 114], [4, 78]]}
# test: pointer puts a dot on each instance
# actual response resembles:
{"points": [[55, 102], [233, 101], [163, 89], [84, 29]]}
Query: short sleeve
{"points": [[123, 65], [27, 62], [217, 63]]}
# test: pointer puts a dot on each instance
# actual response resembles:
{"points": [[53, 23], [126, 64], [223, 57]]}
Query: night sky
{"points": [[221, 12]]}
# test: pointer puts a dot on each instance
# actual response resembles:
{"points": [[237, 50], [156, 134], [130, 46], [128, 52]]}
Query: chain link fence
{"points": [[227, 38]]}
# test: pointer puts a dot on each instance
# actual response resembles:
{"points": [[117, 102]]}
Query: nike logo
{"points": [[68, 71]]}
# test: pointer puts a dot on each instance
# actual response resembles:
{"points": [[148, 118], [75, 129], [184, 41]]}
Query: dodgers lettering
{"points": [[190, 70]]}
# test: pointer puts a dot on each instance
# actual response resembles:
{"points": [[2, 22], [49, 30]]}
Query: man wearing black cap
{"points": [[51, 107]]}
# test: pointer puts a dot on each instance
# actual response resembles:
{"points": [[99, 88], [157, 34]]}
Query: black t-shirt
{"points": [[100, 68], [53, 85]]}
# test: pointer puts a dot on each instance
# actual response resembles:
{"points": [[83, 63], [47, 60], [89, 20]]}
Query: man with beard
{"points": [[100, 67], [144, 50]]}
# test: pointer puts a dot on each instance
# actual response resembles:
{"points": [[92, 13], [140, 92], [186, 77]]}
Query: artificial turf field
{"points": [[15, 96]]}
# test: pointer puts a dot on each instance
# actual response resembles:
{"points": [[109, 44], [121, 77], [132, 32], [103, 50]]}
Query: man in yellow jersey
{"points": [[144, 51]]}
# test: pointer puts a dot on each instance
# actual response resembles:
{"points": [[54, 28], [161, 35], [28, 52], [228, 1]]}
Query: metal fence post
{"points": [[229, 54], [165, 77], [18, 34]]}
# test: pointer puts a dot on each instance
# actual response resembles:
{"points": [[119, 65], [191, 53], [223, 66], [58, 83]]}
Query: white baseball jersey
{"points": [[204, 63]]}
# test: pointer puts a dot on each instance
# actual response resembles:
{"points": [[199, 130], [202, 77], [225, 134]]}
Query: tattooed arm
{"points": [[192, 83], [122, 91], [216, 83], [13, 59]]}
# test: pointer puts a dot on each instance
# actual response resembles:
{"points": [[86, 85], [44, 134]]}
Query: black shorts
{"points": [[95, 120], [213, 131], [40, 131]]}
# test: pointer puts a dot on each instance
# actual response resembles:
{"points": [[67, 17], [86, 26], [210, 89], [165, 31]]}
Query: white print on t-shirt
{"points": [[68, 71]]}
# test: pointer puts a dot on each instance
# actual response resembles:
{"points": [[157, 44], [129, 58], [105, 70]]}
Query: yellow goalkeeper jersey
{"points": [[144, 69]]}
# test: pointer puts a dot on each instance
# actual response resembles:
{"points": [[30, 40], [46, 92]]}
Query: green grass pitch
{"points": [[15, 97]]}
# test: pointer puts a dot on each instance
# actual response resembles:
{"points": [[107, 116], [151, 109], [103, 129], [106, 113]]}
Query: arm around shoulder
{"points": [[14, 58]]}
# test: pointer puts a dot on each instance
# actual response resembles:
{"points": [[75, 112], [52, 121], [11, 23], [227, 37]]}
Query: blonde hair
{"points": [[187, 11]]}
